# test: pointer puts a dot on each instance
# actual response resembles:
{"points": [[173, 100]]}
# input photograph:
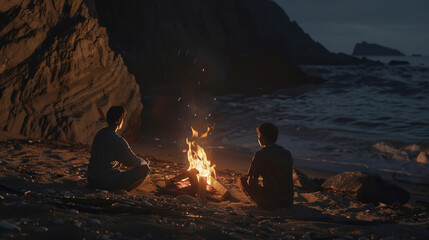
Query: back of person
{"points": [[103, 164], [274, 164], [276, 172], [109, 152]]}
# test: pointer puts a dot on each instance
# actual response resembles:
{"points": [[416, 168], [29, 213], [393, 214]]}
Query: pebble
{"points": [[41, 229], [50, 190], [58, 221], [192, 225], [164, 220], [104, 237], [9, 226], [308, 235], [288, 237], [74, 211], [263, 233], [104, 192], [236, 236], [78, 224], [147, 236], [95, 221], [1, 197]]}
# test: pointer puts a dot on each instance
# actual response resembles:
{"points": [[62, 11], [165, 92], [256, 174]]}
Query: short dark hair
{"points": [[268, 133], [115, 115]]}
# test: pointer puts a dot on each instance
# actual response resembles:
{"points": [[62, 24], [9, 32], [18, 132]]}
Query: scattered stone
{"points": [[41, 229], [78, 224], [263, 233], [104, 192], [186, 199], [236, 236], [73, 211], [9, 226], [164, 220], [308, 235], [50, 191], [422, 158], [17, 146], [192, 225], [95, 221], [147, 236], [365, 188], [59, 221], [104, 237]]}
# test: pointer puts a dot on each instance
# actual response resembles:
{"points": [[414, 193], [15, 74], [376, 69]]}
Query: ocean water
{"points": [[374, 119]]}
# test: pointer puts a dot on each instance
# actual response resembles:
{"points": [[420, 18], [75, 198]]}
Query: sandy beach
{"points": [[44, 195]]}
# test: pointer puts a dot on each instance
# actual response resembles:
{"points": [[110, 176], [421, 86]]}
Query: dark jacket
{"points": [[274, 164]]}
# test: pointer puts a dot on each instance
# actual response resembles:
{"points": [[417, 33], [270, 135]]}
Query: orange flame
{"points": [[197, 157]]}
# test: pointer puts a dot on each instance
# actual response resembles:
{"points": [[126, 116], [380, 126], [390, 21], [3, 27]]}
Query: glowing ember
{"points": [[198, 159]]}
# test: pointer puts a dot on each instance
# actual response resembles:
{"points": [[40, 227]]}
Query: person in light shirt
{"points": [[110, 152], [274, 164]]}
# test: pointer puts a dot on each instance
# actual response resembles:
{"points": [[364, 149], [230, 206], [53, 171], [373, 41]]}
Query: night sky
{"points": [[340, 24]]}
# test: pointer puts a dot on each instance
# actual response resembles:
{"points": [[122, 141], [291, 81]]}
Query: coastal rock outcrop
{"points": [[372, 49], [365, 188], [214, 43], [300, 180], [58, 75]]}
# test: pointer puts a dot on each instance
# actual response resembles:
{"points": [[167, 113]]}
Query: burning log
{"points": [[200, 178], [202, 188]]}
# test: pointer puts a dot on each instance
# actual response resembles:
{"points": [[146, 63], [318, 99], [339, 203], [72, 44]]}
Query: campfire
{"points": [[200, 178]]}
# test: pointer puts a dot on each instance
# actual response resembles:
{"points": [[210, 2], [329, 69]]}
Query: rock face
{"points": [[371, 49], [58, 74], [215, 43], [365, 187]]}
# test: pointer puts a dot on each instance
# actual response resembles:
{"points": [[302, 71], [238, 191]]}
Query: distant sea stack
{"points": [[238, 43], [58, 75], [372, 49]]}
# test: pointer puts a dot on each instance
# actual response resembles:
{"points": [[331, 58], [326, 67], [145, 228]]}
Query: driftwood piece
{"points": [[220, 189], [184, 175]]}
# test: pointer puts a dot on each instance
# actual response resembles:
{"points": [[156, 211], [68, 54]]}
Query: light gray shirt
{"points": [[109, 152]]}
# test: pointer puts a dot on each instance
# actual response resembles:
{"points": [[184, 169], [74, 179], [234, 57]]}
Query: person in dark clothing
{"points": [[274, 164], [110, 152]]}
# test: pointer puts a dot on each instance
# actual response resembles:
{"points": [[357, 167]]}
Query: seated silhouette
{"points": [[110, 152]]}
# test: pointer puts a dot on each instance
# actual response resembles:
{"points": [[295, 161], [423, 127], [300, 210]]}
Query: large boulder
{"points": [[302, 181], [58, 76], [364, 187]]}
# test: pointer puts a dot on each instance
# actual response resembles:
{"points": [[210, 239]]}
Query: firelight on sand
{"points": [[197, 157]]}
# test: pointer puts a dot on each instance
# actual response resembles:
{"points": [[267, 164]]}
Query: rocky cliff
{"points": [[372, 49], [217, 43], [57, 73]]}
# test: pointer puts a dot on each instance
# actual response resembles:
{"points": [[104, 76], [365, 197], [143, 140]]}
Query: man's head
{"points": [[267, 134], [115, 116]]}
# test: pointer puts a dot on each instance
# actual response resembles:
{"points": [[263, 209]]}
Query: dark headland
{"points": [[372, 49]]}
